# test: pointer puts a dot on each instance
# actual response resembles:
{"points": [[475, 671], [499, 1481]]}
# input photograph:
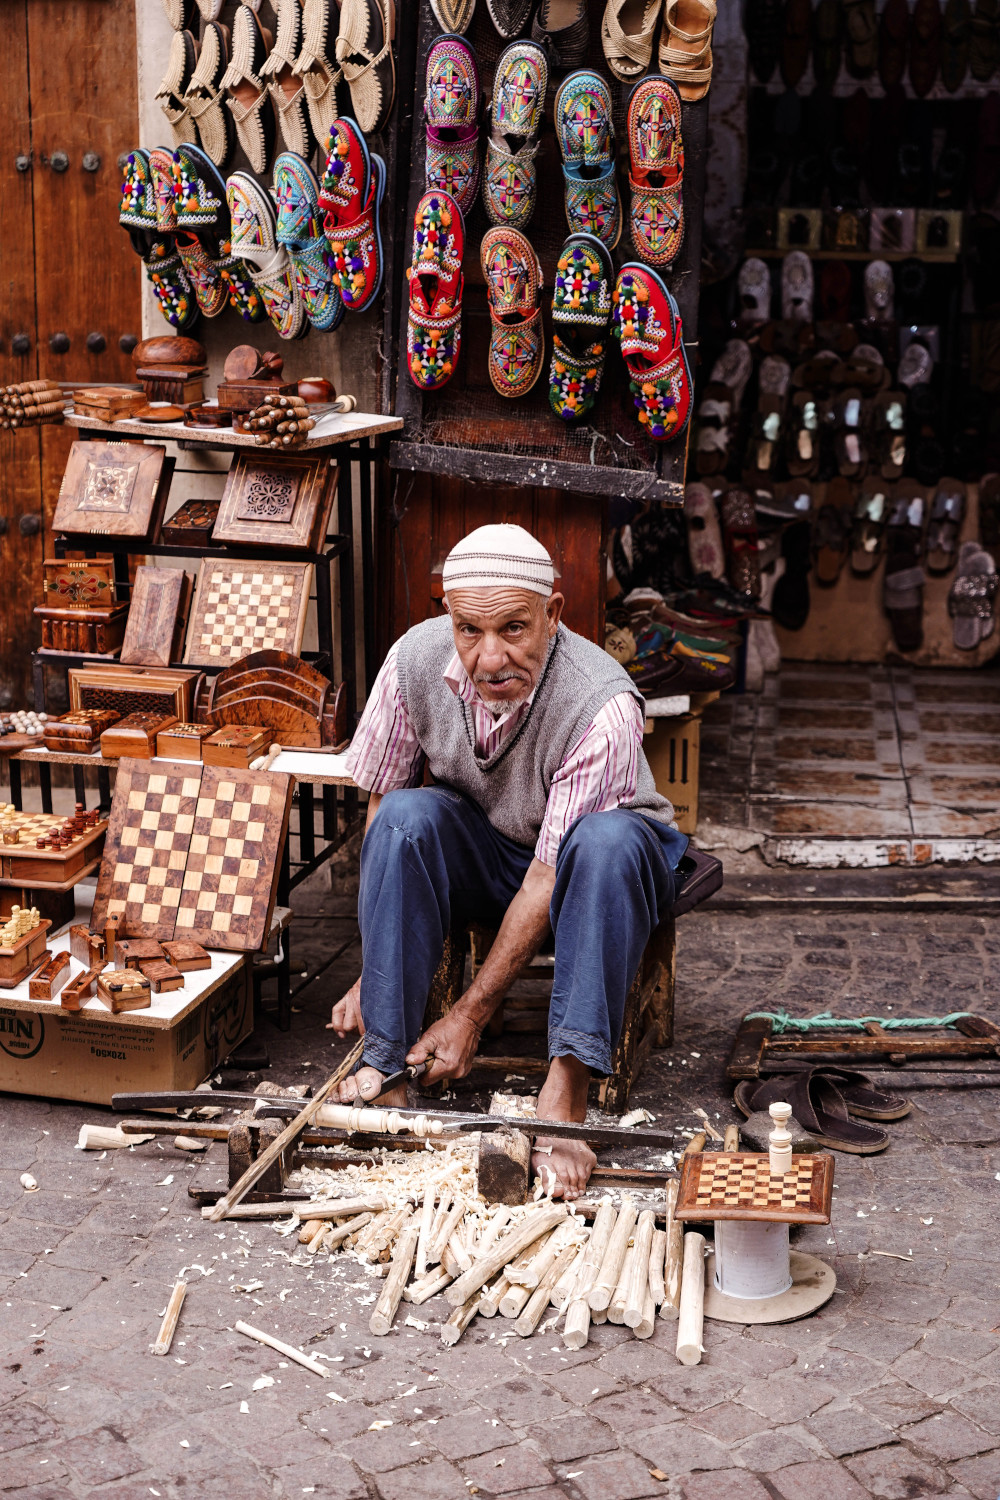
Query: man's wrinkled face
{"points": [[502, 638]]}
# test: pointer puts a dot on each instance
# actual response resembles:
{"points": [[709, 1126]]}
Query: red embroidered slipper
{"points": [[656, 171], [646, 321], [433, 328]]}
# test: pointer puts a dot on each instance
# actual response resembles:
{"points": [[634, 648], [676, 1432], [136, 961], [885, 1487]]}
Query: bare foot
{"points": [[564, 1097], [364, 1085]]}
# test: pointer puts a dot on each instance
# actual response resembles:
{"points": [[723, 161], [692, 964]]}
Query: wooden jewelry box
{"points": [[183, 741], [24, 956], [191, 525], [108, 403], [134, 735], [78, 583], [79, 731], [170, 691], [236, 745], [123, 989], [100, 631]]}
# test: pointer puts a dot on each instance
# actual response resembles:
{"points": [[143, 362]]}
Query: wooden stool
{"points": [[649, 1008]]}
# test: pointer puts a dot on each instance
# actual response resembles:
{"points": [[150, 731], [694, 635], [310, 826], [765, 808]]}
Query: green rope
{"points": [[782, 1021]]}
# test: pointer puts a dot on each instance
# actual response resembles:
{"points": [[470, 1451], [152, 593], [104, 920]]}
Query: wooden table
{"points": [[332, 429]]}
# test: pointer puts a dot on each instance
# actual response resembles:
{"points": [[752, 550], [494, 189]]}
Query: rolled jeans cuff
{"points": [[383, 1053], [592, 1051]]}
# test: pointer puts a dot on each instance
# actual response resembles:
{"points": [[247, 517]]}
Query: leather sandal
{"points": [[139, 215], [832, 534], [739, 532], [685, 50], [182, 60], [947, 515], [364, 52], [818, 1107], [862, 1097], [971, 597], [203, 96], [509, 16], [628, 30], [795, 42], [888, 427], [318, 74], [453, 16], [287, 91], [452, 102], [957, 44], [586, 135], [925, 46], [704, 535], [248, 98], [711, 443], [299, 230], [903, 586], [180, 13], [561, 26], [513, 276], [861, 31], [868, 532], [656, 171], [510, 179], [893, 39]]}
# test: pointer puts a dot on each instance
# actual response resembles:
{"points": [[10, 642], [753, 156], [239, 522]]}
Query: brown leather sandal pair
{"points": [[827, 1103]]}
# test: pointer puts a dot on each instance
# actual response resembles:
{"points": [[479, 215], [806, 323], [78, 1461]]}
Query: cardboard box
{"points": [[673, 749], [88, 1055]]}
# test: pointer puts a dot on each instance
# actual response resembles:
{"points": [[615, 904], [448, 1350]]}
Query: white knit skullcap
{"points": [[494, 556]]}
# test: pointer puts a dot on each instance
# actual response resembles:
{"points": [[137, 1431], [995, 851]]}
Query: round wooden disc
{"points": [[813, 1284], [242, 363], [159, 414]]}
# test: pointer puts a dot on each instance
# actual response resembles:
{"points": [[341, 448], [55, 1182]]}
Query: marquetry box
{"points": [[191, 525], [186, 955], [134, 735], [182, 385], [162, 976], [83, 630], [108, 403], [17, 962], [78, 583], [170, 691], [277, 500], [123, 989], [113, 489], [79, 731], [236, 745], [244, 395], [183, 741]]}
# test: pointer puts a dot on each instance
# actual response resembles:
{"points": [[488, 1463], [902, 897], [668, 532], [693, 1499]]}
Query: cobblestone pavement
{"points": [[891, 1390]]}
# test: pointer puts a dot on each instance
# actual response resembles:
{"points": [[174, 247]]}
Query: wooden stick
{"points": [[489, 1302], [285, 1349], [576, 1329], [429, 1286], [522, 1271], [604, 1223], [513, 1300], [637, 1289], [499, 1218], [256, 1170], [646, 1324], [387, 1231], [691, 1320], [657, 1250], [731, 1140], [111, 1138], [459, 1321], [423, 1238], [344, 1231], [437, 1224], [603, 1290], [458, 1250], [616, 1307], [402, 1262], [168, 1327], [309, 1228], [452, 1219], [335, 1209], [695, 1144], [670, 1306], [515, 1240], [530, 1318], [317, 1240], [564, 1286]]}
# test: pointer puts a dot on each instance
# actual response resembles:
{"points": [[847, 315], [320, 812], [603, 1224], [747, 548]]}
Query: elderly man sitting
{"points": [[540, 811]]}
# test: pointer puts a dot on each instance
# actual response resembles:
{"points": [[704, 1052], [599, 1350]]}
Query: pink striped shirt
{"points": [[599, 772]]}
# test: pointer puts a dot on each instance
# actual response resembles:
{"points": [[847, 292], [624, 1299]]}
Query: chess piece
{"points": [[780, 1140]]}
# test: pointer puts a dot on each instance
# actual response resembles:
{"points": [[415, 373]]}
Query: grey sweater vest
{"points": [[512, 785]]}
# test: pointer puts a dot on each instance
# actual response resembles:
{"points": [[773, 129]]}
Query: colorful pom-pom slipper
{"points": [[254, 241], [248, 99], [510, 180], [161, 169], [244, 297], [287, 91], [300, 231], [182, 59], [587, 141], [138, 206], [204, 95], [171, 287], [656, 171], [350, 196], [646, 321], [200, 196], [581, 316], [451, 108], [433, 328], [210, 289], [513, 287]]}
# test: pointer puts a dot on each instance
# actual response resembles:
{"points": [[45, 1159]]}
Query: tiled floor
{"points": [[865, 752]]}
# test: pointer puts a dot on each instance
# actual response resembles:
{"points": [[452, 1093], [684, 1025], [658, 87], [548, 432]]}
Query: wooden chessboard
{"points": [[240, 608], [24, 863], [739, 1185], [193, 852]]}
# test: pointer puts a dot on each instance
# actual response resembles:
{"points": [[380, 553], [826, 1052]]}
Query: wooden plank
{"points": [[539, 472], [334, 428]]}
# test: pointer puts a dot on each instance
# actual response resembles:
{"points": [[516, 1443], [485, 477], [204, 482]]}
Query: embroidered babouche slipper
{"points": [[454, 16], [646, 322], [248, 99], [255, 242], [628, 31], [364, 52], [287, 91], [586, 139], [514, 284], [685, 51], [350, 195], [510, 17], [451, 109], [202, 216], [172, 93], [319, 75], [433, 327], [139, 215], [510, 178], [561, 27], [204, 96], [299, 230], [656, 171], [581, 318]]}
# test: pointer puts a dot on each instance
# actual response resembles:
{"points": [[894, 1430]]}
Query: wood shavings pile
{"points": [[436, 1235]]}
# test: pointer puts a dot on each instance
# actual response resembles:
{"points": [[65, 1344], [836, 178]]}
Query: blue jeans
{"points": [[432, 857]]}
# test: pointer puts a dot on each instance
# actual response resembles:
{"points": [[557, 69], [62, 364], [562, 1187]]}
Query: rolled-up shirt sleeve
{"points": [[600, 772], [385, 754]]}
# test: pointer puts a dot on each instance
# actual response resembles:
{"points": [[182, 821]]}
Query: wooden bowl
{"points": [[316, 388], [166, 350]]}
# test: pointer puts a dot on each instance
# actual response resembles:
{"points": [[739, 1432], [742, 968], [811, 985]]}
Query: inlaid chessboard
{"points": [[24, 863], [240, 608], [193, 852], [739, 1185]]}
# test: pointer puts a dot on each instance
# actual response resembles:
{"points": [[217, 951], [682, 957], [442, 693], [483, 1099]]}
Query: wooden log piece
{"points": [[492, 1296], [513, 1301], [673, 1256], [285, 1349], [165, 1337], [657, 1250], [453, 1217], [731, 1140], [458, 1250], [616, 1307], [374, 1203], [309, 1228], [427, 1287], [647, 1323], [402, 1261], [576, 1329], [637, 1289], [604, 1222], [511, 1244], [459, 1321], [528, 1320], [564, 1286], [499, 1217], [50, 978], [517, 1270], [426, 1219], [603, 1290], [691, 1317], [504, 1166], [347, 1229]]}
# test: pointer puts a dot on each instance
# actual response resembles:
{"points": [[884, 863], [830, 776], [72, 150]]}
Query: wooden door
{"points": [[69, 280]]}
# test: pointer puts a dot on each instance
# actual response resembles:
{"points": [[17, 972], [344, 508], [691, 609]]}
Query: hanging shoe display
{"points": [[433, 326], [581, 318], [510, 178], [254, 241], [299, 230], [351, 194], [248, 99], [452, 104], [585, 132], [514, 284], [647, 323], [656, 171]]}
